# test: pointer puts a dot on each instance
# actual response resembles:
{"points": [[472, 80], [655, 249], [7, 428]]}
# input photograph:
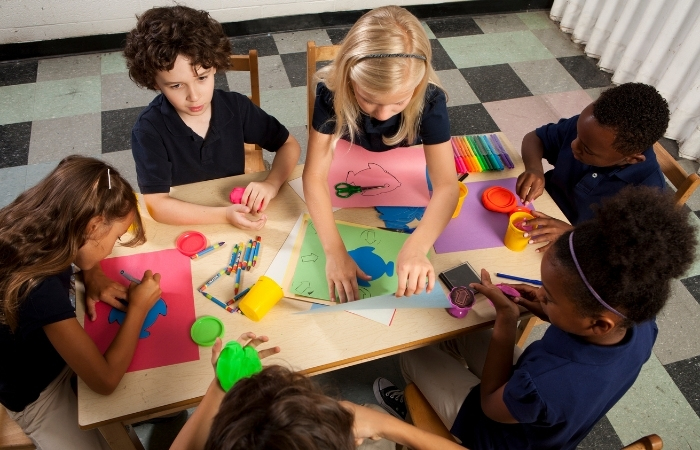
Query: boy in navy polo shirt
{"points": [[602, 331], [595, 154], [192, 132]]}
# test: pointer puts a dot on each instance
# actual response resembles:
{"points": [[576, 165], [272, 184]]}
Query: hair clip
{"points": [[109, 179], [395, 55]]}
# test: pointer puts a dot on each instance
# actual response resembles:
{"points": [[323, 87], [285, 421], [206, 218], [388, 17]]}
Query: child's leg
{"points": [[51, 421], [443, 380], [473, 347]]}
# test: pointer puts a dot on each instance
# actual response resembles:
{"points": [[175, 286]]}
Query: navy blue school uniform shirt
{"points": [[575, 186], [168, 153], [561, 386], [29, 360], [434, 127]]}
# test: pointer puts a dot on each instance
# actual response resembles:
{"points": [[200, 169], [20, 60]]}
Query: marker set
{"points": [[480, 153]]}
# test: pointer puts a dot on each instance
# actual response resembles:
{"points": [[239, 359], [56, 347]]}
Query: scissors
{"points": [[345, 190]]}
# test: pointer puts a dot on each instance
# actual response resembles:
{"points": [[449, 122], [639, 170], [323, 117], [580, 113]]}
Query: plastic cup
{"points": [[463, 191], [264, 294], [514, 238]]}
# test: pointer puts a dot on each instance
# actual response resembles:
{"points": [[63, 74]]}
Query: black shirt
{"points": [[168, 153], [434, 127], [29, 360]]}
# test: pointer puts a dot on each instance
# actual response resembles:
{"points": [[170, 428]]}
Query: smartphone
{"points": [[461, 275]]}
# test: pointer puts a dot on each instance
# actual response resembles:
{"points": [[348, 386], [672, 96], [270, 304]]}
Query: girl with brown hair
{"points": [[74, 216]]}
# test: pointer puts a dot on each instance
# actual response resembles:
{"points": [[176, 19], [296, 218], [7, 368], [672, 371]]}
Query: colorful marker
{"points": [[258, 240], [207, 250], [524, 280]]}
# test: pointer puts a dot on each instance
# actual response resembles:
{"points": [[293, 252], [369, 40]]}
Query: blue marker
{"points": [[524, 280]]}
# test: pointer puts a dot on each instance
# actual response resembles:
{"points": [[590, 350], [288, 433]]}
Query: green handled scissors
{"points": [[345, 190]]}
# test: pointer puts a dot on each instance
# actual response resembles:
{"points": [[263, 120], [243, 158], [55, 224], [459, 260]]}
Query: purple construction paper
{"points": [[476, 227]]}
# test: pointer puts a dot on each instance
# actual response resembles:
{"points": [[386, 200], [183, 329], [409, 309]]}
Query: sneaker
{"points": [[390, 398]]}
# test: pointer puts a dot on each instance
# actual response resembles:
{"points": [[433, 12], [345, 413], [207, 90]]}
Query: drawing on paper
{"points": [[379, 177]]}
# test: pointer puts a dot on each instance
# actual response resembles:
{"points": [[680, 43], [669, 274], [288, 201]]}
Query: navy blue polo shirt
{"points": [[434, 127], [168, 153], [561, 386], [575, 186]]}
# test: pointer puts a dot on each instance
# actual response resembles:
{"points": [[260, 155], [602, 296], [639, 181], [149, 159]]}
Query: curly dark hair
{"points": [[280, 409], [638, 114], [161, 34], [629, 252]]}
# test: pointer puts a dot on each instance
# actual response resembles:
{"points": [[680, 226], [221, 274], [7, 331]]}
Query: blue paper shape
{"points": [[160, 308], [371, 264], [399, 216], [436, 299]]}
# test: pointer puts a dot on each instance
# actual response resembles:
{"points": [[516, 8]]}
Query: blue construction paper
{"points": [[436, 299]]}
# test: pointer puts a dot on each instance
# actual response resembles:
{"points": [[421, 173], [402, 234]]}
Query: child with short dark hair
{"points": [[277, 409], [192, 132], [603, 284], [595, 154]]}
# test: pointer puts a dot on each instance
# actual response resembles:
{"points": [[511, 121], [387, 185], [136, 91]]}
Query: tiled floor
{"points": [[502, 72]]}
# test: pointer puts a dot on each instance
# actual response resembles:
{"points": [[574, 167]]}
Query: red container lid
{"points": [[499, 199], [191, 242]]}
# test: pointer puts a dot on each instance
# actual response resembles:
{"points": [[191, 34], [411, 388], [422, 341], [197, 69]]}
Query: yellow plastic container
{"points": [[264, 294], [514, 238], [463, 191]]}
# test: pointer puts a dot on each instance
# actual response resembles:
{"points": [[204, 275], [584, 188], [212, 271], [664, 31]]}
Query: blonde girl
{"points": [[381, 92], [73, 216]]}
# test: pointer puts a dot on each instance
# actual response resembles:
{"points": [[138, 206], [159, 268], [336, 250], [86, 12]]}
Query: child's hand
{"points": [[342, 273], [412, 267], [99, 287], [257, 195], [529, 298], [530, 185], [246, 340], [237, 216], [548, 229], [366, 423], [143, 296], [502, 303]]}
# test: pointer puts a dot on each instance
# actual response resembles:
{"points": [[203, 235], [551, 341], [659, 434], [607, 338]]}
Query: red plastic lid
{"points": [[191, 242], [521, 209], [499, 199]]}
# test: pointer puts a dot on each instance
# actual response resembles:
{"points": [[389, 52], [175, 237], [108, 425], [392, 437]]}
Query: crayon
{"points": [[234, 253], [207, 250], [212, 279], [133, 280], [258, 239], [237, 285], [249, 264], [247, 254], [242, 293], [524, 280], [217, 301]]}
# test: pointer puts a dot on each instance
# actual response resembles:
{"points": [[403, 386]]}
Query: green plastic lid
{"points": [[206, 329]]}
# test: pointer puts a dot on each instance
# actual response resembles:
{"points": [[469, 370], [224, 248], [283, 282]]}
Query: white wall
{"points": [[38, 20]]}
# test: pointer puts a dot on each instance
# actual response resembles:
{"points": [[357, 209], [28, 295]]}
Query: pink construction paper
{"points": [[169, 341], [401, 170], [476, 227]]}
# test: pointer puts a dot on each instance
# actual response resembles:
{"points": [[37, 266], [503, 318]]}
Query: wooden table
{"points": [[311, 344]]}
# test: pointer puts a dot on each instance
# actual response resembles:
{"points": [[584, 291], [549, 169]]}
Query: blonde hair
{"points": [[387, 30]]}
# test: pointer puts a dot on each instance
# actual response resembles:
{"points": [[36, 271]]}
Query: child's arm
{"points": [[341, 269], [196, 430], [498, 366], [166, 209], [101, 373], [370, 424], [99, 287], [545, 229], [530, 184], [258, 194], [412, 265]]}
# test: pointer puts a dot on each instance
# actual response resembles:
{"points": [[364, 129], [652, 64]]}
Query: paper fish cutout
{"points": [[371, 264], [160, 308], [378, 177]]}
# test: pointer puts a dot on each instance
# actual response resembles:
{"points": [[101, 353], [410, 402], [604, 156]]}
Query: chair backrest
{"points": [[11, 435], [685, 184], [314, 55], [249, 63], [424, 417]]}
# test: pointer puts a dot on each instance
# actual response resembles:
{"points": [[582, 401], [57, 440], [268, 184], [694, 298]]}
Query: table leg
{"points": [[120, 437]]}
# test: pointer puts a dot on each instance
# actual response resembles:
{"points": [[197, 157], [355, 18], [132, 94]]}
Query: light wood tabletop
{"points": [[311, 344]]}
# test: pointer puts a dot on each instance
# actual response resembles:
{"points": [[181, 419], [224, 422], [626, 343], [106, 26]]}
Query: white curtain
{"points": [[655, 42]]}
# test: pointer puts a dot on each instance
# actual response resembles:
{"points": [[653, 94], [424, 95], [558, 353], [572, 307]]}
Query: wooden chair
{"points": [[425, 418], [11, 435], [314, 55], [684, 183], [249, 63]]}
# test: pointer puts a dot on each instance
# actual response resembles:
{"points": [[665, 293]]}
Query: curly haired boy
{"points": [[192, 132]]}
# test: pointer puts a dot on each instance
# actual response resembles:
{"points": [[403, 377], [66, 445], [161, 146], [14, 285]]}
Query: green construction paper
{"points": [[236, 362], [310, 274]]}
